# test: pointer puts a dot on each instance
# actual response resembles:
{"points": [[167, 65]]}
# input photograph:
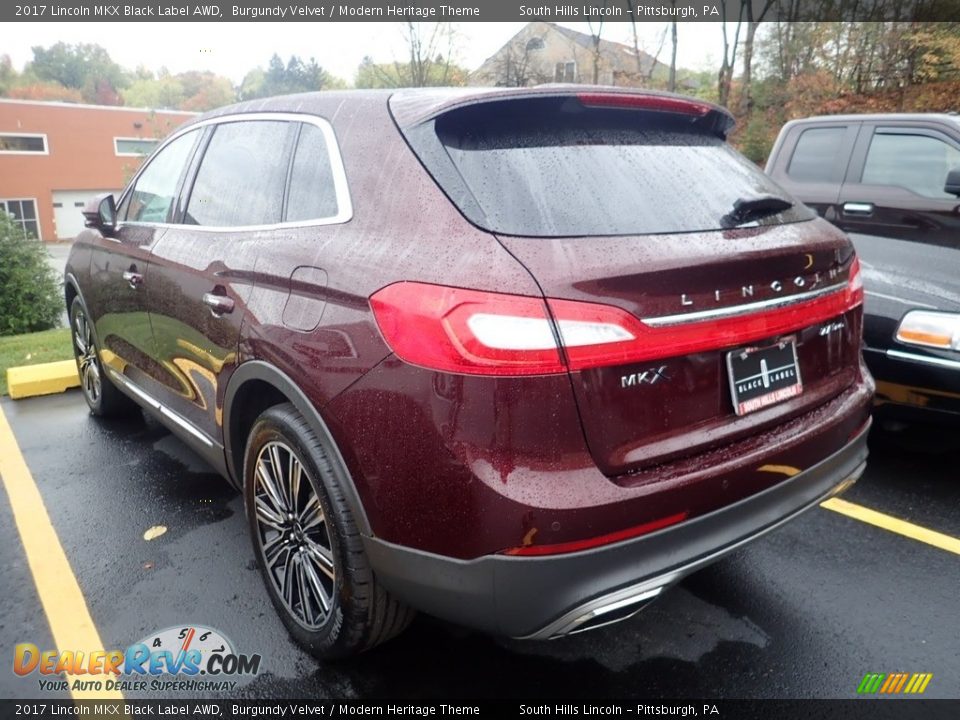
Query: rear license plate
{"points": [[760, 377]]}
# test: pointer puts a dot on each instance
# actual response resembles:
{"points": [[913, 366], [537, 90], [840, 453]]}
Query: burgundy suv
{"points": [[520, 359]]}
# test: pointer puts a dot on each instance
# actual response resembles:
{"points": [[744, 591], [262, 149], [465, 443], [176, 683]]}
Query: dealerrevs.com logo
{"points": [[191, 658]]}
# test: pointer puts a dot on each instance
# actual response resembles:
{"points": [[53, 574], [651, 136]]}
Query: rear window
{"points": [[549, 167]]}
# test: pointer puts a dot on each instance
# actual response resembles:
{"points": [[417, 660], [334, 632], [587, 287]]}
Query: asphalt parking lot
{"points": [[806, 611]]}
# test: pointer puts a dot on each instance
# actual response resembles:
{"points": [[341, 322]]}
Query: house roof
{"points": [[621, 57]]}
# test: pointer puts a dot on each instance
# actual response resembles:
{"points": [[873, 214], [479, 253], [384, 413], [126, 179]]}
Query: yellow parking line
{"points": [[62, 599], [894, 525]]}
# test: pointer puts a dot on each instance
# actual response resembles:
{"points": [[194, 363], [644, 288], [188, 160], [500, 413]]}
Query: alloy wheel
{"points": [[87, 362], [294, 540]]}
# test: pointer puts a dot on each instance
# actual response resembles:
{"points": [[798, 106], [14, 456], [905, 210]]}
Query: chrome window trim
{"points": [[745, 309], [340, 184], [927, 359]]}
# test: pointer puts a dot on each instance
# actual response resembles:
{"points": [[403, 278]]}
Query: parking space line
{"points": [[892, 524], [60, 594]]}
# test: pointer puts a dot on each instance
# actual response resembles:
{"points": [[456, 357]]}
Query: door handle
{"points": [[858, 209], [134, 279], [218, 304]]}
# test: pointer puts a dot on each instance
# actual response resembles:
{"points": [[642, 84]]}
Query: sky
{"points": [[231, 49]]}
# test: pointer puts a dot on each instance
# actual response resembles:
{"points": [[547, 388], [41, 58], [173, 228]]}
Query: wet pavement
{"points": [[804, 612]]}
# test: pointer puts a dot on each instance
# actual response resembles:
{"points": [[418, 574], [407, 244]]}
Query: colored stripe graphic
{"points": [[894, 683]]}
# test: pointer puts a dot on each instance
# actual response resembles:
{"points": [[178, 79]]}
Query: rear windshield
{"points": [[549, 167]]}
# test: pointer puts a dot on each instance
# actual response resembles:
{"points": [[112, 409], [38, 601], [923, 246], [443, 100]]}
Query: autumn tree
{"points": [[85, 67], [294, 76]]}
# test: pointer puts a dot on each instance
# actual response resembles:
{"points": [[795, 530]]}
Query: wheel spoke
{"points": [[269, 485], [294, 471], [287, 580], [317, 587], [268, 516], [321, 557], [272, 550], [306, 606], [312, 514], [278, 475]]}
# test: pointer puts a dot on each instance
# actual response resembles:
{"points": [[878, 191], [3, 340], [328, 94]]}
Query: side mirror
{"points": [[101, 214], [952, 186]]}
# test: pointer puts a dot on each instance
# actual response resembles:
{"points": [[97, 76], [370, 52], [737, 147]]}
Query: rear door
{"points": [[631, 208], [812, 160], [203, 268], [895, 185]]}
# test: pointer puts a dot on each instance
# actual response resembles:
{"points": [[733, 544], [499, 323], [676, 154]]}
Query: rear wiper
{"points": [[749, 209]]}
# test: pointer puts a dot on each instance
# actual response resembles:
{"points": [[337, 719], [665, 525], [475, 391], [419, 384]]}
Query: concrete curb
{"points": [[43, 379]]}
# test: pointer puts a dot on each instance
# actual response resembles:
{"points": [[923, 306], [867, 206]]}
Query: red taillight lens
{"points": [[485, 333], [644, 102], [467, 331], [578, 545]]}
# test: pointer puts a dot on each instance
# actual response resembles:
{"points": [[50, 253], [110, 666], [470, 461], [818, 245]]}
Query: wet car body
{"points": [[518, 484], [881, 178]]}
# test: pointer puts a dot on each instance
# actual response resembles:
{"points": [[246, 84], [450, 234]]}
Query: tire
{"points": [[312, 559], [102, 396]]}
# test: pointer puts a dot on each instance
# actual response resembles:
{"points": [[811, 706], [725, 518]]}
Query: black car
{"points": [[892, 182]]}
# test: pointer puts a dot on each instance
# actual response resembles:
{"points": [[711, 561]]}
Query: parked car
{"points": [[892, 182], [520, 359]]}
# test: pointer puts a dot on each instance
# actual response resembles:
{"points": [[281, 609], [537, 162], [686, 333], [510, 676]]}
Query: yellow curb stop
{"points": [[42, 379]]}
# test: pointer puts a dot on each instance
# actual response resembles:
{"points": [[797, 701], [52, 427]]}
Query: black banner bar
{"points": [[872, 708], [478, 10]]}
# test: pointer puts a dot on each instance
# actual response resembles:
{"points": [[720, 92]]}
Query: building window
{"points": [[134, 147], [566, 72], [23, 144], [23, 212]]}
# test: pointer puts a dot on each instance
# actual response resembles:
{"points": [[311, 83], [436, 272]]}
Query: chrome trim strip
{"points": [[169, 414], [746, 309], [912, 357], [341, 187]]}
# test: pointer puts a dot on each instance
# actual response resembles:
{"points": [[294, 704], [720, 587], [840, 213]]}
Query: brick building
{"points": [[55, 156]]}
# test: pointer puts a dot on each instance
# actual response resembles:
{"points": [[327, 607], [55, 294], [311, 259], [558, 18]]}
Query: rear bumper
{"points": [[545, 597]]}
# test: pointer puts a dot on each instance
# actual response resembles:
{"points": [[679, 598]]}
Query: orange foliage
{"points": [[45, 91]]}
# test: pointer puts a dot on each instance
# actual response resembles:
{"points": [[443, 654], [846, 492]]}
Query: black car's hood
{"points": [[900, 275]]}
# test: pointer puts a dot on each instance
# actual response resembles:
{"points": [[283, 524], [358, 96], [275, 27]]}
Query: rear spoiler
{"points": [[411, 108]]}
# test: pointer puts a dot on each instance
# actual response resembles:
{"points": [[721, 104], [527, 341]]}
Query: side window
{"points": [[151, 198], [914, 162], [312, 194], [815, 154], [242, 174]]}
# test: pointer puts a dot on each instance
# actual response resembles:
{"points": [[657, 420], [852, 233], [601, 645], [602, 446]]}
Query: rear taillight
{"points": [[486, 333], [644, 102], [467, 331]]}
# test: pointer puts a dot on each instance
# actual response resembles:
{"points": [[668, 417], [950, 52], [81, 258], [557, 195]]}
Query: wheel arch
{"points": [[71, 290], [257, 385]]}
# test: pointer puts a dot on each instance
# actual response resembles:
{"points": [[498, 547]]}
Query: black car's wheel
{"points": [[101, 395], [307, 544]]}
